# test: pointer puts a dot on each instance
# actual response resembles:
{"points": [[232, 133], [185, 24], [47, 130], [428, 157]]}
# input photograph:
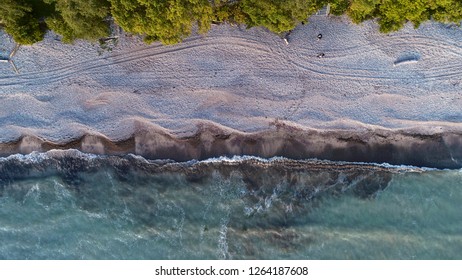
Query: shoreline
{"points": [[436, 150]]}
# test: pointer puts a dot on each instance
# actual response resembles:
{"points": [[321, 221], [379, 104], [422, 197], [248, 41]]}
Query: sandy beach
{"points": [[372, 97]]}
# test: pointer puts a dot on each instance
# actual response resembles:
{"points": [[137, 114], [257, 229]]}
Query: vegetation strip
{"points": [[170, 21]]}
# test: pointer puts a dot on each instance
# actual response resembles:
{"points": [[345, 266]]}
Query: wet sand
{"points": [[438, 150]]}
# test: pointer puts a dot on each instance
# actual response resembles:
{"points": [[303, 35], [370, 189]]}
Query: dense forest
{"points": [[170, 21]]}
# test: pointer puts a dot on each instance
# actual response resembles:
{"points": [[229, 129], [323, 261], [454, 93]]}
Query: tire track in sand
{"points": [[429, 74], [296, 59], [64, 72]]}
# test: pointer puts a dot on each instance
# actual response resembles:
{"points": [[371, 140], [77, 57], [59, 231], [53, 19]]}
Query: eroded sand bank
{"points": [[440, 150], [238, 91]]}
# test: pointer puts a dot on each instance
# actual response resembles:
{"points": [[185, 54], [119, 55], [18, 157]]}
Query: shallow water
{"points": [[85, 207]]}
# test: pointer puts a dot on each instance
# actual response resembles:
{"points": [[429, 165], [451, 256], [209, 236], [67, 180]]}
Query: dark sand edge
{"points": [[437, 150]]}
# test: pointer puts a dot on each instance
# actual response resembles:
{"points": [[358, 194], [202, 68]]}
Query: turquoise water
{"points": [[82, 207]]}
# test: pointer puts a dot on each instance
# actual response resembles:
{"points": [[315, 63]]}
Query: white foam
{"points": [[241, 159], [237, 159], [38, 157], [34, 157]]}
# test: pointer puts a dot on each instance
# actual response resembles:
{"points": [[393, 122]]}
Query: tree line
{"points": [[170, 21]]}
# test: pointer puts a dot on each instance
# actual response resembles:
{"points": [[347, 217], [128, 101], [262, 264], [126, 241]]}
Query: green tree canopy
{"points": [[168, 21], [21, 20], [446, 10], [279, 15], [229, 11], [393, 14], [361, 10], [338, 7], [80, 19]]}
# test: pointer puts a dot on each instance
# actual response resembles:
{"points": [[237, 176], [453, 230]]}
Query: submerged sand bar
{"points": [[238, 91]]}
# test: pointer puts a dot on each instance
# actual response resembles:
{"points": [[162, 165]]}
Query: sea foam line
{"points": [[38, 157]]}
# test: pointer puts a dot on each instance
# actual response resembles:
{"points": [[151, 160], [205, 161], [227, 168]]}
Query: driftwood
{"points": [[13, 52], [10, 58], [14, 66]]}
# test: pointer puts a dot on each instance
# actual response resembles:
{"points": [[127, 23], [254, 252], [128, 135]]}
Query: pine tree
{"points": [[80, 19], [279, 15], [21, 21], [168, 21]]}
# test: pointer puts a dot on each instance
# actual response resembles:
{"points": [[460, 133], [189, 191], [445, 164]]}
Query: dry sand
{"points": [[372, 97]]}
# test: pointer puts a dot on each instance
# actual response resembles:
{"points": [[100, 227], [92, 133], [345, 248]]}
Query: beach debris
{"points": [[14, 66], [319, 36], [107, 44], [10, 58], [452, 26], [320, 55], [407, 59]]}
